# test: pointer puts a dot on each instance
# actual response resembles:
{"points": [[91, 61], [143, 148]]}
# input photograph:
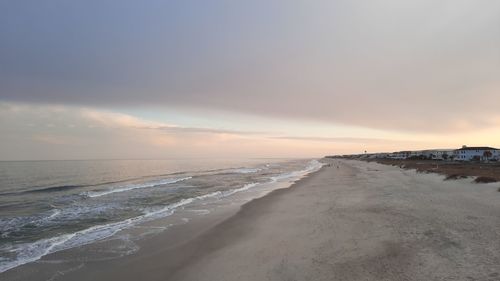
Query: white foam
{"points": [[168, 210], [313, 166], [245, 187], [246, 170], [135, 186], [30, 252], [54, 214], [201, 212]]}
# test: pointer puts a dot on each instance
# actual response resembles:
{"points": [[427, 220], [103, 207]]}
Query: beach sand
{"points": [[351, 220], [450, 169]]}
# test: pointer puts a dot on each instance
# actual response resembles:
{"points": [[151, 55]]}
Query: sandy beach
{"points": [[351, 220], [250, 140], [478, 171]]}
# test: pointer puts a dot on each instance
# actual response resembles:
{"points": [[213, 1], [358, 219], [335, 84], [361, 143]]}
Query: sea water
{"points": [[48, 206]]}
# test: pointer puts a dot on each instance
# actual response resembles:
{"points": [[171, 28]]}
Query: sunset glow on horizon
{"points": [[184, 79]]}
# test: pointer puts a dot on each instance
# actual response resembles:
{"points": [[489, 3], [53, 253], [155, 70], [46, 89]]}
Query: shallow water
{"points": [[47, 206]]}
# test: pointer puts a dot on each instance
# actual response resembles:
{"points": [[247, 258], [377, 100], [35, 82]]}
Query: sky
{"points": [[118, 79]]}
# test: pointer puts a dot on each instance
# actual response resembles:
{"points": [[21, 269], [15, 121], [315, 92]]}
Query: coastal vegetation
{"points": [[452, 170]]}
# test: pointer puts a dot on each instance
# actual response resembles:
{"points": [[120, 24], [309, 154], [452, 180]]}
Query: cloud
{"points": [[194, 130], [349, 140], [55, 139], [420, 66], [112, 119], [31, 132], [120, 120], [67, 132]]}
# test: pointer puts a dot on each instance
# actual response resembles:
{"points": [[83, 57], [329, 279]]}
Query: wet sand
{"points": [[352, 220]]}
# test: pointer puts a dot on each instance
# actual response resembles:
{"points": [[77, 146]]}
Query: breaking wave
{"points": [[93, 194]]}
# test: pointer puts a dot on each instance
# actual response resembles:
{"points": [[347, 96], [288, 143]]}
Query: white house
{"points": [[434, 154], [438, 154], [400, 155], [476, 153]]}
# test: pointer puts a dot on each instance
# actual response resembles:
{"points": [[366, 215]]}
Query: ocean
{"points": [[49, 206]]}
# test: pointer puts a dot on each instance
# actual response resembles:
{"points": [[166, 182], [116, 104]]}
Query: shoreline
{"points": [[350, 220], [176, 234], [294, 248]]}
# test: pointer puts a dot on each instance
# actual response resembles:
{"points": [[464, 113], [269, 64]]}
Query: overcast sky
{"points": [[248, 79]]}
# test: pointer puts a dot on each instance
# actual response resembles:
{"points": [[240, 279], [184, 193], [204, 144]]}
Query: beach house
{"points": [[400, 155], [438, 154], [478, 153]]}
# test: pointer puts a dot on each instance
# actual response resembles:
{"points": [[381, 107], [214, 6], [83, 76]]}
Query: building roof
{"points": [[477, 148]]}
